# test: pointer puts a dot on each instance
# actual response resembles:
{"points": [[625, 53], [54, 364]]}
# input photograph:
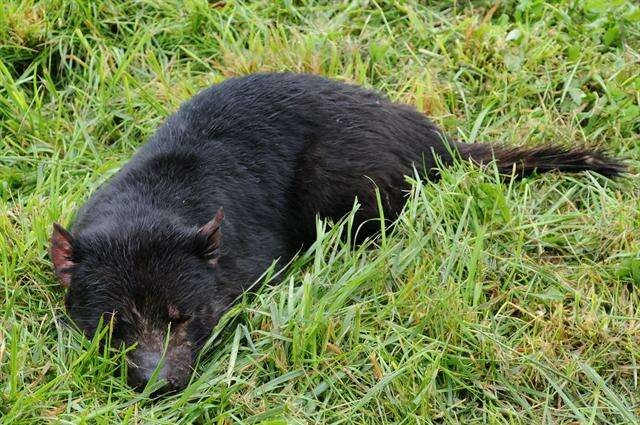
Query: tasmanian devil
{"points": [[154, 250]]}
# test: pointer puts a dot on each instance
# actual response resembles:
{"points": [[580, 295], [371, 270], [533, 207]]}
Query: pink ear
{"points": [[62, 254], [211, 231]]}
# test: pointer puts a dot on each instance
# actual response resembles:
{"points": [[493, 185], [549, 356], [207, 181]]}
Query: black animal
{"points": [[152, 251]]}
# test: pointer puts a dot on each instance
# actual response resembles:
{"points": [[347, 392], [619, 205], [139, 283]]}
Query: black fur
{"points": [[522, 162], [274, 150]]}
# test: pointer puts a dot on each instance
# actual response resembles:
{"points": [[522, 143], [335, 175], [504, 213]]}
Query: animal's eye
{"points": [[180, 320], [176, 316], [116, 341]]}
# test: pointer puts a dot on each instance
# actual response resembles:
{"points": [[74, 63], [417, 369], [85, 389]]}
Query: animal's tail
{"points": [[525, 161]]}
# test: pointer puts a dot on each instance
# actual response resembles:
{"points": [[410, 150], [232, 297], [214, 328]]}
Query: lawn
{"points": [[488, 302]]}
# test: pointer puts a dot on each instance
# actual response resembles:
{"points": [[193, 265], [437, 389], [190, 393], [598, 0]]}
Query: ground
{"points": [[489, 302]]}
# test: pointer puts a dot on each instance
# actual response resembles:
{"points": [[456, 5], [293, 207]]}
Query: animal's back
{"points": [[332, 142], [274, 150]]}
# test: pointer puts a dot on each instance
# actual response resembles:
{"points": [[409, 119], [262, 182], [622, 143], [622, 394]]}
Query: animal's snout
{"points": [[144, 363]]}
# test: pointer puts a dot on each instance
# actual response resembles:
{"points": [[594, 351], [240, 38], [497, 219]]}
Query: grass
{"points": [[487, 303]]}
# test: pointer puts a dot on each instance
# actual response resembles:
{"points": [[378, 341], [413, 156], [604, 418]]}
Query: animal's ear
{"points": [[61, 252], [211, 232]]}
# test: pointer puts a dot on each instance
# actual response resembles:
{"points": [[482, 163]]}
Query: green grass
{"points": [[487, 303]]}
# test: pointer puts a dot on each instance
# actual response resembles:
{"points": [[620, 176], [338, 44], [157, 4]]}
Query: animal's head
{"points": [[157, 284]]}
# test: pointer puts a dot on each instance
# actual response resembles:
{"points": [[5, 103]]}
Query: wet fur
{"points": [[274, 150]]}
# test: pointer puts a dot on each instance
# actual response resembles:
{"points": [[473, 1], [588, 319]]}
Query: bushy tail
{"points": [[525, 161]]}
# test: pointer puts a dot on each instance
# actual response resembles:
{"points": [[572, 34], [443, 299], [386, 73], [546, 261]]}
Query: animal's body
{"points": [[152, 248]]}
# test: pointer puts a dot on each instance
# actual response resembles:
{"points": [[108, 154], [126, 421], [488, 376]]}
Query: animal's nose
{"points": [[143, 364]]}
